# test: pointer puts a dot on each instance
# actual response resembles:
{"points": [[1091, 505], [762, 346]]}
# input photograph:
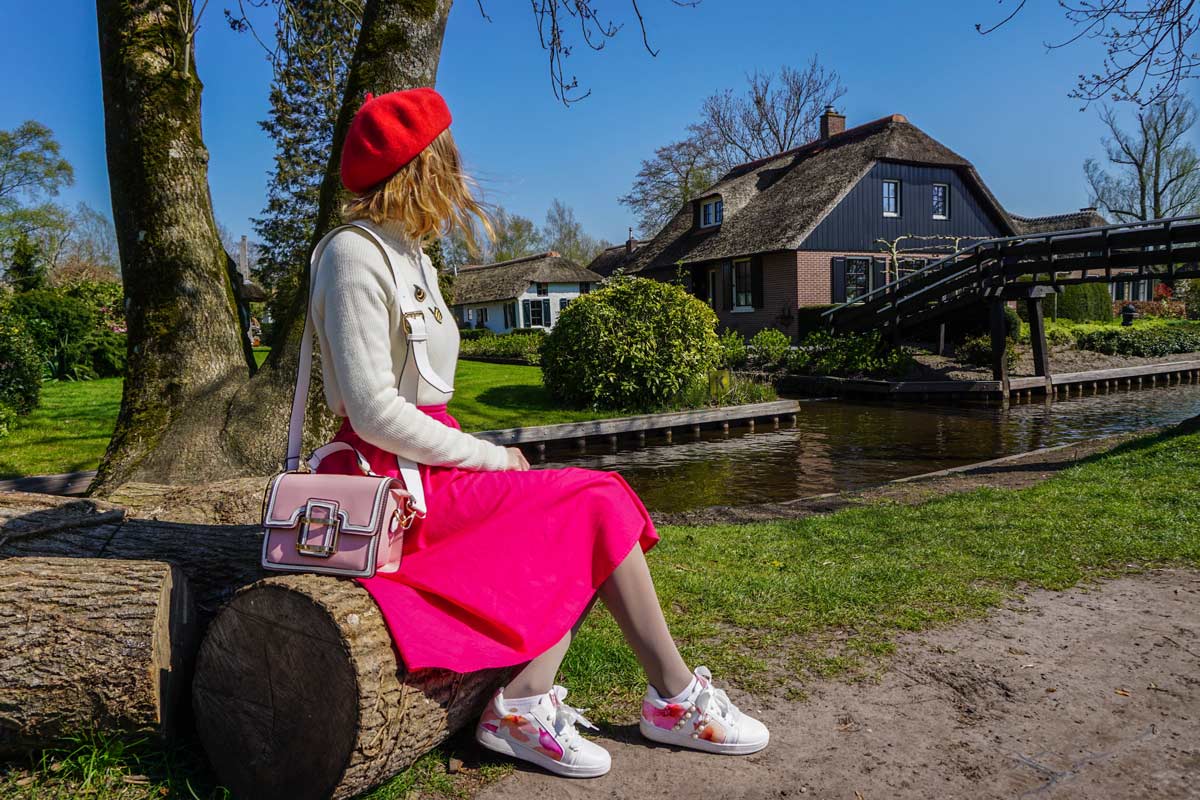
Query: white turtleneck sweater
{"points": [[364, 350]]}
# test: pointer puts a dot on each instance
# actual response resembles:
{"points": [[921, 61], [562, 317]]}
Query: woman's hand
{"points": [[516, 459]]}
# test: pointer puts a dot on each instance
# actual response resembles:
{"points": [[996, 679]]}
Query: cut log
{"points": [[298, 693], [91, 644]]}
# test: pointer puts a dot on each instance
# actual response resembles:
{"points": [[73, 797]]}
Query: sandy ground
{"points": [[1091, 693]]}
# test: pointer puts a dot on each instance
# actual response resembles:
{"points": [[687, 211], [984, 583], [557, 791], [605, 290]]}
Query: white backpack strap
{"points": [[414, 318]]}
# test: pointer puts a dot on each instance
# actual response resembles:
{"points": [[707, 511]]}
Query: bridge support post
{"points": [[1037, 335], [999, 346]]}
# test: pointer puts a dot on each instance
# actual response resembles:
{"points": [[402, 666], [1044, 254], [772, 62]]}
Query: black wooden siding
{"points": [[857, 222]]}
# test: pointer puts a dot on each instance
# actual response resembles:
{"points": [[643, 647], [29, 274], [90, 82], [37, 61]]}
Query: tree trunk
{"points": [[298, 693], [88, 644], [186, 353], [191, 413]]}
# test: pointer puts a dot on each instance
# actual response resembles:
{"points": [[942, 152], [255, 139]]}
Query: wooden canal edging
{"points": [[642, 424], [1066, 384]]}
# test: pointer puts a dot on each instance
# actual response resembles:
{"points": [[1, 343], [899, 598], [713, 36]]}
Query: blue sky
{"points": [[1000, 101]]}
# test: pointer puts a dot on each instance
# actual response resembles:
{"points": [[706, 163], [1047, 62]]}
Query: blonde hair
{"points": [[430, 196]]}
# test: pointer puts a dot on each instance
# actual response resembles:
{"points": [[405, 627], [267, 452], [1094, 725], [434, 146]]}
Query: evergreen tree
{"points": [[26, 268], [315, 43]]}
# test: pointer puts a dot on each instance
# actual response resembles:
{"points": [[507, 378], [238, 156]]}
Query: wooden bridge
{"points": [[1026, 268]]}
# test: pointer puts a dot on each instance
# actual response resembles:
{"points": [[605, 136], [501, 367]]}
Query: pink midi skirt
{"points": [[504, 562]]}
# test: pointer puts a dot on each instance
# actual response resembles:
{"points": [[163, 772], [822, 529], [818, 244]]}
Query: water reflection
{"points": [[838, 445]]}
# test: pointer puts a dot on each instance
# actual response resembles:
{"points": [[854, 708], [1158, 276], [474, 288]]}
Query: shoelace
{"points": [[566, 717], [711, 698]]}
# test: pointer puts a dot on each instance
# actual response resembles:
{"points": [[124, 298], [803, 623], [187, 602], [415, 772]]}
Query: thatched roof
{"points": [[774, 203], [506, 280], [612, 257], [1083, 218]]}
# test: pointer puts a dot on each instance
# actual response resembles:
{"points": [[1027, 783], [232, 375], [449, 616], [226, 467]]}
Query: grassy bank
{"points": [[784, 602], [70, 428]]}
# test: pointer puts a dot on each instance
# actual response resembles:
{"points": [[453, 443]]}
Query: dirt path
{"points": [[1083, 694]]}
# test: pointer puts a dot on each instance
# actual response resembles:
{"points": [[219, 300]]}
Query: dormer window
{"points": [[712, 212]]}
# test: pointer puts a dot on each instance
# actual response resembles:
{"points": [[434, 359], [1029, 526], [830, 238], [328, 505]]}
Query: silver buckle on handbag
{"points": [[332, 523]]}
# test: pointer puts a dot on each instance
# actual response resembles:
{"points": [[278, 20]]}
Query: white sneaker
{"points": [[709, 721], [544, 735]]}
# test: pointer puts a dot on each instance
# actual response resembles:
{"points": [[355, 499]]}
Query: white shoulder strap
{"points": [[417, 335]]}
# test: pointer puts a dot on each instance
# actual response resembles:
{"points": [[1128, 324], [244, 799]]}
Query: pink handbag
{"points": [[348, 525]]}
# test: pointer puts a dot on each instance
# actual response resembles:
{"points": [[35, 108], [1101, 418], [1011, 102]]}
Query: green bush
{"points": [[978, 351], [1083, 302], [106, 351], [20, 366], [1153, 339], [744, 390], [8, 418], [470, 334], [769, 346], [733, 348], [521, 345], [848, 355], [635, 343], [61, 327]]}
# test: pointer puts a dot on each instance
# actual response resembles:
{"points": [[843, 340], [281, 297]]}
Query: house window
{"points": [[941, 201], [585, 287], [742, 297], [712, 212], [537, 313], [543, 289], [712, 288], [562, 302], [510, 315], [891, 198], [467, 314], [483, 316], [858, 277]]}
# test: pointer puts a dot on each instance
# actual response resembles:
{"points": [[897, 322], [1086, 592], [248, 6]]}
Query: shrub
{"points": [[1084, 302], [1154, 339], [635, 343], [1166, 309], [470, 334], [20, 367], [769, 346], [733, 348], [61, 327], [106, 351], [744, 390], [847, 355], [978, 351], [7, 418], [520, 345]]}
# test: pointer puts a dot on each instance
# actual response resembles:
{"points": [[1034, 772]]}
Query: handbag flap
{"points": [[360, 499]]}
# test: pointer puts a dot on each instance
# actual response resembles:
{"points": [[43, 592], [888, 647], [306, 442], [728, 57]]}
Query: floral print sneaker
{"points": [[709, 721], [544, 735]]}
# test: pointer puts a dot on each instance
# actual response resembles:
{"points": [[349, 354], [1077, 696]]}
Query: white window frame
{"points": [[946, 199], [715, 211], [748, 292], [896, 196]]}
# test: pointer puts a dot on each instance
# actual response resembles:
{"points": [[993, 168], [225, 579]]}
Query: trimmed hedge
{"points": [[1141, 340], [1083, 302], [848, 355], [635, 343], [521, 345]]}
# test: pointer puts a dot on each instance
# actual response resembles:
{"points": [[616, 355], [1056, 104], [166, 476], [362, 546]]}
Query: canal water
{"points": [[837, 445]]}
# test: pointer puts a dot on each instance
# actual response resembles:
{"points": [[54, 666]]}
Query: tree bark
{"points": [[191, 411], [298, 693], [88, 644], [186, 352]]}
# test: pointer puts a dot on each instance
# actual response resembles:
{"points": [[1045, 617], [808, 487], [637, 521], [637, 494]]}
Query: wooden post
{"points": [[1037, 335], [999, 347], [941, 345]]}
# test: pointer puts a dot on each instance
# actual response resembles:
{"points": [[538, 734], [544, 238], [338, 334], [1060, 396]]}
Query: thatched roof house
{"points": [[616, 256], [1083, 218], [508, 280]]}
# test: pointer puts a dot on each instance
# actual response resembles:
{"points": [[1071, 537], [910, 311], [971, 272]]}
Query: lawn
{"points": [[786, 602], [71, 426]]}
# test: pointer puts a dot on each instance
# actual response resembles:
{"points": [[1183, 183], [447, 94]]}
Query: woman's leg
{"points": [[537, 677], [630, 597]]}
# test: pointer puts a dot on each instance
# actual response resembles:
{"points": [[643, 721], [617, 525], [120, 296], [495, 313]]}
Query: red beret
{"points": [[388, 132]]}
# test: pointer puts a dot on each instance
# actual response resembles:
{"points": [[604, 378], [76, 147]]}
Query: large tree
{"points": [[194, 409], [1152, 171], [564, 234], [32, 170], [671, 178]]}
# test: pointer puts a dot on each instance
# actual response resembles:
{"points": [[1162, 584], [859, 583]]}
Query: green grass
{"points": [[783, 603], [71, 426], [68, 431]]}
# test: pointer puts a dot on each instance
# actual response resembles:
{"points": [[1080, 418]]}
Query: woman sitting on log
{"points": [[507, 561]]}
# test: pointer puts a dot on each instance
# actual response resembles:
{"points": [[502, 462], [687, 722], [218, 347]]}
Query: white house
{"points": [[525, 292]]}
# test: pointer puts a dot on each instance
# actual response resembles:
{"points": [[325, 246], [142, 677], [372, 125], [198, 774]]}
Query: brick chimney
{"points": [[629, 243], [832, 123]]}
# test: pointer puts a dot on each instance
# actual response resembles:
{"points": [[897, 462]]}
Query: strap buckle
{"points": [[407, 314], [331, 521]]}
